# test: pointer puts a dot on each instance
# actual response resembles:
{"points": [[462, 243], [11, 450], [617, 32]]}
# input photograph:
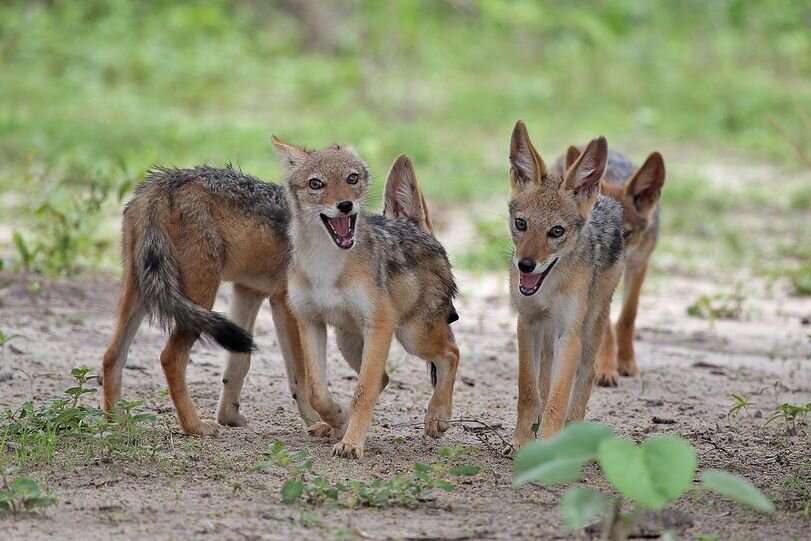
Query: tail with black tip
{"points": [[161, 291]]}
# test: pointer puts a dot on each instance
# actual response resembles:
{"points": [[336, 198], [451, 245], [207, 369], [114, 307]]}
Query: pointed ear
{"points": [[526, 165], [290, 155], [583, 176], [571, 155], [645, 186], [403, 198]]}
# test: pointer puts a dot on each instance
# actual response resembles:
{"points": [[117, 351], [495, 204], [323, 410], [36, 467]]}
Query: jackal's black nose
{"points": [[345, 206], [526, 265]]}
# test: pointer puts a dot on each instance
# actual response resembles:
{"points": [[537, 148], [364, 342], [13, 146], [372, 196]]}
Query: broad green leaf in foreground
{"points": [[292, 489], [560, 459], [651, 474], [736, 488], [580, 504]]}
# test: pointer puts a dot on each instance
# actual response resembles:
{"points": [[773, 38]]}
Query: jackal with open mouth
{"points": [[371, 278], [567, 261]]}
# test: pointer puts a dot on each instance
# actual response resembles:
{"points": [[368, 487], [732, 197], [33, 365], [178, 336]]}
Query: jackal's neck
{"points": [[315, 254]]}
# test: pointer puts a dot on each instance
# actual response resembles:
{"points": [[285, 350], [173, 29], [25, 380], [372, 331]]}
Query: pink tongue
{"points": [[529, 281], [340, 225]]}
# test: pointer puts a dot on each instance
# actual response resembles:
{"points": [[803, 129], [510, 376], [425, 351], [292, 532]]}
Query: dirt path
{"points": [[202, 488]]}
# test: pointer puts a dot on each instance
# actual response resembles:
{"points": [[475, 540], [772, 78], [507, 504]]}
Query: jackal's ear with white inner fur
{"points": [[290, 155], [526, 165], [646, 185], [583, 176], [403, 197], [571, 155]]}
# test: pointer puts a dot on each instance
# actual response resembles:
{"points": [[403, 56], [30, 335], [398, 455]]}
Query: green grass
{"points": [[97, 91]]}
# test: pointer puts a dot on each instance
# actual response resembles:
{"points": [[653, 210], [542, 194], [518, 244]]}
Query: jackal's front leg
{"points": [[634, 277], [314, 349], [376, 344], [567, 354], [529, 398]]}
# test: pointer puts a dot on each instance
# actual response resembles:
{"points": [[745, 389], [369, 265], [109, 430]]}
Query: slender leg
{"points": [[441, 405], [129, 317], [607, 375], [584, 379], [351, 347], [287, 331], [634, 277], [314, 342], [174, 358], [244, 308], [377, 341], [529, 399], [568, 353]]}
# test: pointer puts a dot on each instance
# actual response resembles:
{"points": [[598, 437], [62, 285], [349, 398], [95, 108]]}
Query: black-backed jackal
{"points": [[184, 232], [638, 191], [567, 260], [370, 277]]}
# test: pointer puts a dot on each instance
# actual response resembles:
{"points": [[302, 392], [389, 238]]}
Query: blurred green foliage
{"points": [[96, 91]]}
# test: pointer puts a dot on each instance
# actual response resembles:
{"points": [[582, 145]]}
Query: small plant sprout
{"points": [[649, 475], [740, 402], [399, 491], [18, 494]]}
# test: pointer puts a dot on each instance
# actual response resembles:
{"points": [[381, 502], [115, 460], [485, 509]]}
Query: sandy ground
{"points": [[202, 488]]}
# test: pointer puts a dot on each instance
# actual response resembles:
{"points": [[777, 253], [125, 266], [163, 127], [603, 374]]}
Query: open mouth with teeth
{"points": [[529, 284], [342, 229]]}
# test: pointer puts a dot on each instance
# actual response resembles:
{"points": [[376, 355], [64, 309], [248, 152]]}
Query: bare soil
{"points": [[198, 488]]}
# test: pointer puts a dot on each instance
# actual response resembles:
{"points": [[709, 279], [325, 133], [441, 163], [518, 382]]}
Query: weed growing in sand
{"points": [[739, 403], [792, 415], [18, 494], [649, 475], [398, 491], [35, 433], [718, 306]]}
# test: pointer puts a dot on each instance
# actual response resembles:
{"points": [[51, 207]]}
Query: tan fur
{"points": [[560, 325], [368, 315], [617, 351], [256, 263]]}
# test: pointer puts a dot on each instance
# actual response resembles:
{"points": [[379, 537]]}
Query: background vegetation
{"points": [[94, 92]]}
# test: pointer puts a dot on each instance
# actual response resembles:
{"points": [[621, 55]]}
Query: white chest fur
{"points": [[321, 296]]}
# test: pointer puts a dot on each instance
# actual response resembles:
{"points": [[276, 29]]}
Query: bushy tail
{"points": [[161, 292]]}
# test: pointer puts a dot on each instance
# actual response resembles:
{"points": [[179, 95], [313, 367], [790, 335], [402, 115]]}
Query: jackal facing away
{"points": [[567, 260], [370, 277], [184, 232], [638, 192]]}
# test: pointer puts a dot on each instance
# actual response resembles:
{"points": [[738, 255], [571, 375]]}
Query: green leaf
{"points": [[651, 474], [579, 505], [465, 469], [736, 488], [292, 489], [559, 459], [26, 487]]}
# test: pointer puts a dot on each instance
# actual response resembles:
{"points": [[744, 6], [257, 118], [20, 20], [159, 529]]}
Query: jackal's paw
{"points": [[628, 368], [203, 427], [320, 430], [347, 450], [437, 419], [436, 427], [231, 417], [607, 379]]}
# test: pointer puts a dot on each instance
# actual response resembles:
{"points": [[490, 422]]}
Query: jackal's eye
{"points": [[626, 233], [520, 224], [352, 178], [556, 232], [316, 184]]}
